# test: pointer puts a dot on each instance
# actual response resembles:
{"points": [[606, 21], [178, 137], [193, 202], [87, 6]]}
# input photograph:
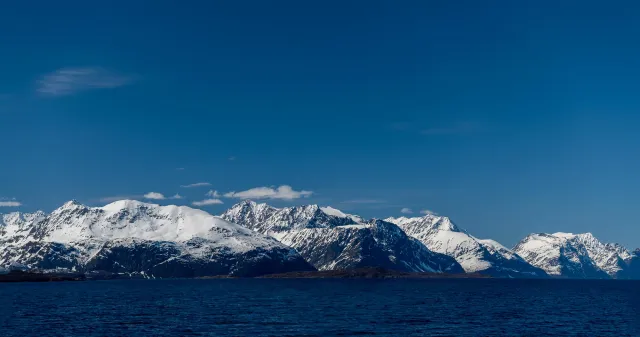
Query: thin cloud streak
{"points": [[363, 201], [196, 185], [428, 212], [213, 194], [406, 211], [69, 81]]}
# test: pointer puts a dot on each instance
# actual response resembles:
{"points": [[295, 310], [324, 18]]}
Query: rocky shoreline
{"points": [[358, 273], [23, 276]]}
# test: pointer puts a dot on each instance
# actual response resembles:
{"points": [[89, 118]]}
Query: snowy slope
{"points": [[374, 244], [74, 236], [489, 257], [330, 239], [611, 258], [574, 255], [17, 225], [265, 219]]}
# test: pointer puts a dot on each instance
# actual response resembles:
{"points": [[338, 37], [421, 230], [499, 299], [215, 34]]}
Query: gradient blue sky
{"points": [[510, 118]]}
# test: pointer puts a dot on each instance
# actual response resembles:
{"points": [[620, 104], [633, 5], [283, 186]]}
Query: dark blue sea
{"points": [[297, 307]]}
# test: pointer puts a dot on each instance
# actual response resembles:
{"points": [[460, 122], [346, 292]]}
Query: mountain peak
{"points": [[130, 237], [573, 255], [311, 207], [427, 222], [268, 220], [444, 223], [247, 202], [71, 203]]}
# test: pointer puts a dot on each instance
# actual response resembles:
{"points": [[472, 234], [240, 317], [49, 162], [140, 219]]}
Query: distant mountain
{"points": [[487, 257], [132, 237], [266, 219], [575, 255], [330, 239], [139, 239], [375, 243]]}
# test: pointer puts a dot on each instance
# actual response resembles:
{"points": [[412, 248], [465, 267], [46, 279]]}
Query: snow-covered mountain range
{"points": [[273, 221], [489, 257], [576, 256], [132, 237], [311, 228], [330, 239]]}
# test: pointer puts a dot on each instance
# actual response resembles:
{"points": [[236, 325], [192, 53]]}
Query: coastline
{"points": [[21, 276], [368, 273], [358, 273]]}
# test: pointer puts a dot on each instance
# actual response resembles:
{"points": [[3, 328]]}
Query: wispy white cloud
{"points": [[428, 212], [11, 203], [68, 81], [213, 194], [364, 201], [406, 211], [284, 192], [196, 185], [154, 196], [150, 195], [232, 158], [207, 202], [180, 169]]}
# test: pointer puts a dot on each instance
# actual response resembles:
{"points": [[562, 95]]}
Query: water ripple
{"points": [[321, 308]]}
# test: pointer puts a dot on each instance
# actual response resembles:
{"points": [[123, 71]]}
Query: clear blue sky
{"points": [[511, 118]]}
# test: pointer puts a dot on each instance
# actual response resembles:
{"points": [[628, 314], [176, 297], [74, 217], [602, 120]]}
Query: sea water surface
{"points": [[321, 307]]}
